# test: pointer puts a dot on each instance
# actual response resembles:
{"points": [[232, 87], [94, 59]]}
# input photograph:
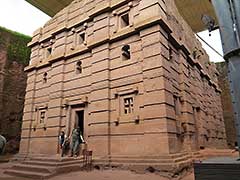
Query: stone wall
{"points": [[136, 70], [228, 112], [13, 51]]}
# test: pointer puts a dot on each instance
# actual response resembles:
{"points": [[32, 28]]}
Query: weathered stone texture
{"points": [[228, 112], [12, 88], [159, 97]]}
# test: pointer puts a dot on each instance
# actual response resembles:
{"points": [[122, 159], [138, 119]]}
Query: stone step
{"points": [[27, 174], [171, 156], [196, 153], [43, 167], [198, 157], [69, 168], [40, 163], [178, 155], [183, 158], [142, 160], [19, 157], [33, 168], [140, 166], [75, 162], [136, 160], [54, 159], [52, 164]]}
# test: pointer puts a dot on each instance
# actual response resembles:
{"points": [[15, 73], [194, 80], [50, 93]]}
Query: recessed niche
{"points": [[49, 52], [126, 52], [79, 67], [45, 77], [124, 20], [81, 38]]}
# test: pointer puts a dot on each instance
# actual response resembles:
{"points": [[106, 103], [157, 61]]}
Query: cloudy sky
{"points": [[20, 16]]}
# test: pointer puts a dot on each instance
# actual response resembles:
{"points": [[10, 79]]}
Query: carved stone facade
{"points": [[131, 74]]}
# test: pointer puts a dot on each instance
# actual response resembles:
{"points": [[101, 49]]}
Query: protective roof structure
{"points": [[191, 10]]}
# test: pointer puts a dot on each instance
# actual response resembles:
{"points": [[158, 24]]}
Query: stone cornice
{"points": [[101, 8], [131, 30]]}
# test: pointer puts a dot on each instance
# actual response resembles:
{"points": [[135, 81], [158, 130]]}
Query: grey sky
{"points": [[20, 16]]}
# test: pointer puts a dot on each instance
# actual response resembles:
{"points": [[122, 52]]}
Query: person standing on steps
{"points": [[77, 139], [62, 138], [63, 142]]}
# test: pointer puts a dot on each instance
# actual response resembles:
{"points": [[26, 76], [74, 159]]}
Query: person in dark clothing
{"points": [[62, 138], [63, 142]]}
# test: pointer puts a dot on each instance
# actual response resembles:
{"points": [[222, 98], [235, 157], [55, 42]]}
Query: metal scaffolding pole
{"points": [[228, 14]]}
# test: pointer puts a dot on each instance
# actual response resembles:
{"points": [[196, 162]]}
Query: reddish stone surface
{"points": [[228, 112], [131, 75], [12, 92]]}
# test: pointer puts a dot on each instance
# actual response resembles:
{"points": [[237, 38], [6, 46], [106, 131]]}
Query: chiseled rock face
{"points": [[131, 74], [14, 56], [228, 112]]}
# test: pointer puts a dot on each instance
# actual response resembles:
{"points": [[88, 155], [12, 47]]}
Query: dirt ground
{"points": [[98, 175], [115, 175]]}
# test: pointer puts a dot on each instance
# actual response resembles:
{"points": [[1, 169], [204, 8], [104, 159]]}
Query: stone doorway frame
{"points": [[72, 118]]}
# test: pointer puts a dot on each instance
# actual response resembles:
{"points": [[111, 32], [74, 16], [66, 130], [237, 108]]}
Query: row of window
{"points": [[125, 56], [128, 108], [177, 106], [80, 40], [81, 37]]}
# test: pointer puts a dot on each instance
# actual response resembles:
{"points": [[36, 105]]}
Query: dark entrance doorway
{"points": [[80, 120]]}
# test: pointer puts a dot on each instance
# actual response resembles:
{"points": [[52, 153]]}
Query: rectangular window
{"points": [[124, 20], [49, 52], [176, 105], [126, 52], [128, 105], [42, 117], [79, 67], [81, 38]]}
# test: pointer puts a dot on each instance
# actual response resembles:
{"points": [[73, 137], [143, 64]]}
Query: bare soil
{"points": [[100, 175], [116, 175]]}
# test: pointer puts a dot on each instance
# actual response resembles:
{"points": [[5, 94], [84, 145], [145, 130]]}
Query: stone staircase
{"points": [[210, 153], [197, 156], [44, 167], [172, 163]]}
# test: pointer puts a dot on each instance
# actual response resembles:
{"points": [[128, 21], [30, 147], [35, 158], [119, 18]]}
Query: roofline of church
{"points": [[190, 10]]}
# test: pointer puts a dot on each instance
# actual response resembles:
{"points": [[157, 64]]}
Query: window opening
{"points": [[126, 52], [49, 51], [176, 105], [45, 77], [42, 116], [124, 20], [128, 105], [81, 38], [79, 67]]}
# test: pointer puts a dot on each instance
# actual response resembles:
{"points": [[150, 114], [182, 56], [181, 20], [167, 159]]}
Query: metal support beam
{"points": [[234, 76], [228, 14]]}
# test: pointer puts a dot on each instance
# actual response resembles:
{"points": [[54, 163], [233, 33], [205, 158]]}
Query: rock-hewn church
{"points": [[131, 75]]}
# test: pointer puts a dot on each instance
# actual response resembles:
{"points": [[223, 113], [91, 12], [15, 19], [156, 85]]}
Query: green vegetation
{"points": [[16, 45]]}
